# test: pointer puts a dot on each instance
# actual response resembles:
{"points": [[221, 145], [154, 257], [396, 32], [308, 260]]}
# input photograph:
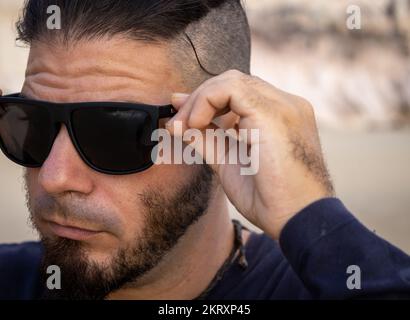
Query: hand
{"points": [[292, 173]]}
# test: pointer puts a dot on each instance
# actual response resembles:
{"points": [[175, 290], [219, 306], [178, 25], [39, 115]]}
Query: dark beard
{"points": [[166, 220]]}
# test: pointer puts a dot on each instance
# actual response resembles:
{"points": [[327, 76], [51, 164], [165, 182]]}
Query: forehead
{"points": [[113, 69]]}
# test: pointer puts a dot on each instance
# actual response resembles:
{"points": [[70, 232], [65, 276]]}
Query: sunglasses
{"points": [[110, 137]]}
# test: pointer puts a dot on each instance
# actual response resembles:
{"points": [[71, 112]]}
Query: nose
{"points": [[64, 171]]}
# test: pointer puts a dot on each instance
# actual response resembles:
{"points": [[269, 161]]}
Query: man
{"points": [[164, 232]]}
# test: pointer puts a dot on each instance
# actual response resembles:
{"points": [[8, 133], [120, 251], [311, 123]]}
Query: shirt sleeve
{"points": [[336, 257], [20, 271]]}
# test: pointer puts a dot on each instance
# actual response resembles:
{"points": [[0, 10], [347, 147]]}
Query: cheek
{"points": [[30, 177], [124, 193]]}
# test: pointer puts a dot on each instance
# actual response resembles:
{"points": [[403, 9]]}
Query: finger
{"points": [[220, 98], [217, 96], [213, 144], [199, 147], [203, 111], [179, 99], [180, 103], [184, 104]]}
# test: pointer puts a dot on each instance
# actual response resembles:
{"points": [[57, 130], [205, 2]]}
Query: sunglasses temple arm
{"points": [[166, 111]]}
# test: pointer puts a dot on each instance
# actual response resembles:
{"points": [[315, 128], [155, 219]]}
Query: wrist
{"points": [[274, 225]]}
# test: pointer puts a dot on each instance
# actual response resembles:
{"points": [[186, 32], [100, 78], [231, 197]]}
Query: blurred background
{"points": [[358, 81]]}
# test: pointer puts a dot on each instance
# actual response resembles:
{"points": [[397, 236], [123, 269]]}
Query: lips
{"points": [[71, 232]]}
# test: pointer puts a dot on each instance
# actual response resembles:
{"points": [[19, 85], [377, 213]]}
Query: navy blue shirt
{"points": [[311, 261]]}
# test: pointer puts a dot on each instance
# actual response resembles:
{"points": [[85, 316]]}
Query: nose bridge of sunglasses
{"points": [[60, 113]]}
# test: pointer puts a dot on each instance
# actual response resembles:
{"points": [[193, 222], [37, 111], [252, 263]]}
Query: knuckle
{"points": [[194, 121], [254, 79], [233, 73], [240, 82], [306, 105], [202, 96], [197, 120], [205, 84], [256, 83]]}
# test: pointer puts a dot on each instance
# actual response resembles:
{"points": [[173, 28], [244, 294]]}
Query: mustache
{"points": [[73, 209]]}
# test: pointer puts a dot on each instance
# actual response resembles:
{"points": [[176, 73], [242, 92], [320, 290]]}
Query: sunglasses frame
{"points": [[62, 113]]}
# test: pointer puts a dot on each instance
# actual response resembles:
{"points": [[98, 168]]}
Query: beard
{"points": [[166, 219]]}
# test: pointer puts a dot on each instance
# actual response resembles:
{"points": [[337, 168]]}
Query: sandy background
{"points": [[361, 103]]}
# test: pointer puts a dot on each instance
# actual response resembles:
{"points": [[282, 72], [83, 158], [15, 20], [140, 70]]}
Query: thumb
{"points": [[178, 99]]}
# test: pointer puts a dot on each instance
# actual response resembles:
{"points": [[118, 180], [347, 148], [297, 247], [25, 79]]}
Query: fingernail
{"points": [[170, 123], [179, 97]]}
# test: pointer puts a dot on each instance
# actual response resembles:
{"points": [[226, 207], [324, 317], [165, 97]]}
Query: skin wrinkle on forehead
{"points": [[113, 59], [114, 76], [89, 66], [122, 94], [50, 80]]}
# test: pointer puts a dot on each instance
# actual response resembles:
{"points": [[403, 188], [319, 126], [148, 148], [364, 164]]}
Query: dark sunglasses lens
{"points": [[114, 140], [26, 133]]}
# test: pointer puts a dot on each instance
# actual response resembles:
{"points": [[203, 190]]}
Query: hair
{"points": [[205, 37]]}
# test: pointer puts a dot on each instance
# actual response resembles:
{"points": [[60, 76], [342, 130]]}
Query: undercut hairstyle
{"points": [[205, 37]]}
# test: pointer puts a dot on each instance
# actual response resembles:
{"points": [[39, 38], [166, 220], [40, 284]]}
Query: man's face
{"points": [[131, 221]]}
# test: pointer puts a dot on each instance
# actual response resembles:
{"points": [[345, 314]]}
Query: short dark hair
{"points": [[207, 37]]}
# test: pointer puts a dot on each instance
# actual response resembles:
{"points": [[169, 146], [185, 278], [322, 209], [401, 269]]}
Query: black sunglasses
{"points": [[111, 137]]}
